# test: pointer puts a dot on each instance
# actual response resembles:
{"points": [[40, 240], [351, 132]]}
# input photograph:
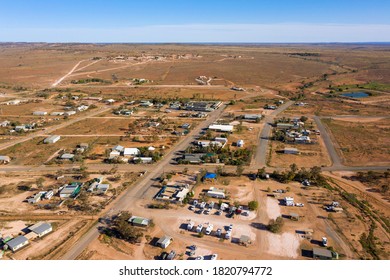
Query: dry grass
{"points": [[361, 143]]}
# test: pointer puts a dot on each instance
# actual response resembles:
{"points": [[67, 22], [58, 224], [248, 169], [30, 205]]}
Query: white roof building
{"points": [[52, 139], [40, 113], [5, 159], [114, 154], [221, 127], [131, 152]]}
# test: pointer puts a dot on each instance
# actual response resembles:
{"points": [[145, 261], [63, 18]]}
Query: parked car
{"points": [[214, 257], [202, 205], [199, 228], [199, 258], [206, 212], [230, 227], [219, 213], [192, 247], [299, 204], [218, 232], [228, 234], [324, 241], [245, 213], [195, 202], [163, 256], [171, 255], [209, 229], [190, 225]]}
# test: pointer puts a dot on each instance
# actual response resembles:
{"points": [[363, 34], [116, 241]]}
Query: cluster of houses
{"points": [[37, 230], [200, 106], [173, 194], [217, 142], [127, 155], [70, 111], [42, 195], [295, 131], [80, 149], [20, 127]]}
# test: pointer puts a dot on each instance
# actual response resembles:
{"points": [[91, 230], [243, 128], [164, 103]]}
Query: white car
{"points": [[299, 204], [218, 232], [190, 225], [199, 228], [230, 227], [228, 234], [202, 205], [324, 241], [209, 229], [214, 257]]}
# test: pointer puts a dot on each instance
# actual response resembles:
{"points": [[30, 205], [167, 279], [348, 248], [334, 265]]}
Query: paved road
{"points": [[328, 143], [260, 159], [138, 191]]}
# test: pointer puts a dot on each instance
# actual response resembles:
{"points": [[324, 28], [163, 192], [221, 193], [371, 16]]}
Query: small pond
{"points": [[359, 94]]}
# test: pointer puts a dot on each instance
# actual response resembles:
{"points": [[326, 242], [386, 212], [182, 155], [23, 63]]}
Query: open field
{"points": [[361, 143]]}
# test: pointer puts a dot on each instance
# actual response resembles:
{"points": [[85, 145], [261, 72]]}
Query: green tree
{"points": [[275, 226], [253, 205]]}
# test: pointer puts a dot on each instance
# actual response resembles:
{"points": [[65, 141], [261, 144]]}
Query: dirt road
{"points": [[56, 83]]}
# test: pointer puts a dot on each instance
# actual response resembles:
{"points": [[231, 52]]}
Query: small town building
{"points": [[291, 151], [48, 194], [70, 113], [114, 154], [118, 148], [71, 190], [139, 221], [303, 140], [174, 194], [240, 143], [252, 117], [216, 193], [289, 201], [39, 113], [221, 127], [17, 243], [41, 228], [67, 156], [52, 139], [143, 159], [102, 188], [164, 241], [322, 254], [284, 126], [20, 128], [57, 113], [5, 159], [5, 123], [145, 103], [131, 152], [193, 158]]}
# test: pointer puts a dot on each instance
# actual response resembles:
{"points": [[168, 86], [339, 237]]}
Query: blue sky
{"points": [[195, 21]]}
